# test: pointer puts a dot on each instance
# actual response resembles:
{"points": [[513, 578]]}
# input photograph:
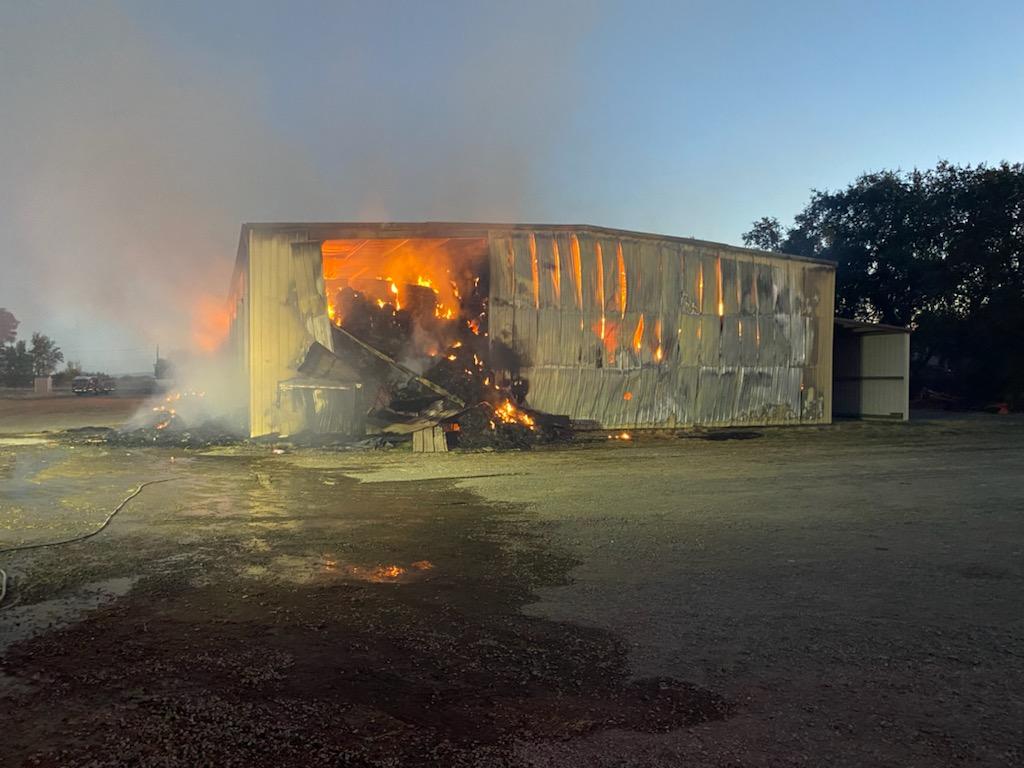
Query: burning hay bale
{"points": [[427, 356]]}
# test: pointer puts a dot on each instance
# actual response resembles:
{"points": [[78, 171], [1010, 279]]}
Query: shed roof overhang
{"points": [[864, 327], [359, 230]]}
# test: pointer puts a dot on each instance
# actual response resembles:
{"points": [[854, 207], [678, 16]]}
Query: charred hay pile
{"points": [[428, 364]]}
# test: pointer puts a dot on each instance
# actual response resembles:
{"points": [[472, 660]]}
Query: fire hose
{"points": [[73, 539]]}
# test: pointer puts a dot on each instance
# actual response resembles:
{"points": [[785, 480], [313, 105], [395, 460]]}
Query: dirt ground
{"points": [[840, 596], [65, 411]]}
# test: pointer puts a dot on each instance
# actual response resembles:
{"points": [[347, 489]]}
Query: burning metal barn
{"points": [[344, 327]]}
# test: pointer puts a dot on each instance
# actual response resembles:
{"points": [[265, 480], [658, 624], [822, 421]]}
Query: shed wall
{"points": [[287, 313], [872, 375], [647, 333]]}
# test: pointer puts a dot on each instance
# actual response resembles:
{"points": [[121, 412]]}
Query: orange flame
{"points": [[534, 271], [556, 273], [211, 323], [577, 269], [622, 280], [700, 289], [389, 271], [721, 291], [509, 414], [638, 334]]}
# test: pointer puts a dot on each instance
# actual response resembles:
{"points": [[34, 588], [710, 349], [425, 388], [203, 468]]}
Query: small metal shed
{"points": [[872, 370]]}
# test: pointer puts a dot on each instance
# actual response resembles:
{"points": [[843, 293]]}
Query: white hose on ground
{"points": [[82, 537]]}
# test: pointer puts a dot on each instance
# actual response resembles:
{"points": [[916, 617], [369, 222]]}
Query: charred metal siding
{"points": [[704, 334]]}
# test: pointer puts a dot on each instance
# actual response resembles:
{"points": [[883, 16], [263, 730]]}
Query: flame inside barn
{"points": [[333, 323]]}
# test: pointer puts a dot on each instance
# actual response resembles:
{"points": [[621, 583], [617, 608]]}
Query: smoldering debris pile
{"points": [[501, 428], [468, 386], [177, 419]]}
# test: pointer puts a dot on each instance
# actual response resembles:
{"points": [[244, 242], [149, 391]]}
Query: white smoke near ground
{"points": [[129, 164], [205, 395]]}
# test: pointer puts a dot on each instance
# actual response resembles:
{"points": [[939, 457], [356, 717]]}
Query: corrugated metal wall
{"points": [[287, 312], [639, 332]]}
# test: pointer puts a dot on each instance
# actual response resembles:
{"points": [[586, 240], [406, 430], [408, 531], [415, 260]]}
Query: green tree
{"points": [[940, 250], [8, 326], [15, 365], [46, 355], [765, 234]]}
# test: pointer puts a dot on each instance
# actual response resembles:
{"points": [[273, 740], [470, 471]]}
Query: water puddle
{"points": [[21, 622]]}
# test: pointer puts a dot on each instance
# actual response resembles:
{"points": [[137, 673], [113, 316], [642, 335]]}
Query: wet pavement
{"points": [[271, 614], [847, 595]]}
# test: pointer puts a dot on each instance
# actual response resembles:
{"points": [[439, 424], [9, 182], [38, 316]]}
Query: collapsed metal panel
{"points": [[286, 315], [630, 332], [327, 407]]}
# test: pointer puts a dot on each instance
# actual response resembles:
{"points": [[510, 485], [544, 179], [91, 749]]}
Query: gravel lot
{"points": [[27, 413], [848, 596]]}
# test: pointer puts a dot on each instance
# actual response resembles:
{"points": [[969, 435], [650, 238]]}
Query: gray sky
{"points": [[138, 136]]}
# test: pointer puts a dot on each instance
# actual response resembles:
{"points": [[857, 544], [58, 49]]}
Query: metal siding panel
{"points": [[282, 290], [744, 368]]}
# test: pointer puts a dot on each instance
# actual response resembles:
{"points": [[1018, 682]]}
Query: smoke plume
{"points": [[132, 155]]}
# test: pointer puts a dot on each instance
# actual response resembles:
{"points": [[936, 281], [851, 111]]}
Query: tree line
{"points": [[940, 251], [21, 362]]}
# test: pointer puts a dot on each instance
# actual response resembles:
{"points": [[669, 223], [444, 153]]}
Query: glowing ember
{"points": [[167, 412], [638, 334], [556, 272], [534, 271], [577, 270], [622, 280], [700, 289], [621, 436], [721, 292], [389, 571]]}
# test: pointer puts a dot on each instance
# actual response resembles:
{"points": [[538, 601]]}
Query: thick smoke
{"points": [[131, 157]]}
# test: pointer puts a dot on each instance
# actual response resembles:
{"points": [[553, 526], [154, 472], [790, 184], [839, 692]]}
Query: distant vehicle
{"points": [[92, 385]]}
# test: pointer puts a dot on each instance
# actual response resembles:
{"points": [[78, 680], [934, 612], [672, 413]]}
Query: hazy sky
{"points": [[136, 137]]}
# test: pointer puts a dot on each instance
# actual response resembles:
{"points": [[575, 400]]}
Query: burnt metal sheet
{"points": [[327, 406], [631, 332]]}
